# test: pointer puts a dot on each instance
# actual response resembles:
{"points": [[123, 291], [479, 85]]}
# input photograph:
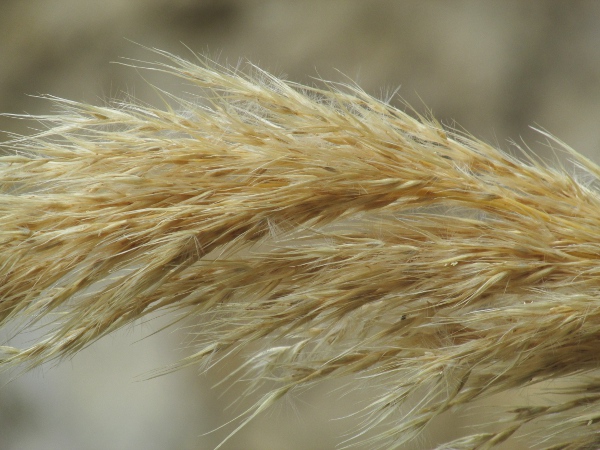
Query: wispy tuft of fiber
{"points": [[323, 232]]}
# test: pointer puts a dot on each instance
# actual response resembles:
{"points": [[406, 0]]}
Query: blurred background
{"points": [[492, 68]]}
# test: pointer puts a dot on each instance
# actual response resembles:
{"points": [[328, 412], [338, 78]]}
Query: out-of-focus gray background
{"points": [[493, 68]]}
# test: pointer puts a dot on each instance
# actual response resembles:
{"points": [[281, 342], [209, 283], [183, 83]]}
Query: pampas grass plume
{"points": [[322, 233]]}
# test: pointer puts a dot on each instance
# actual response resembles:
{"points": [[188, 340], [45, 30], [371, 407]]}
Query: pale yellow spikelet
{"points": [[339, 233]]}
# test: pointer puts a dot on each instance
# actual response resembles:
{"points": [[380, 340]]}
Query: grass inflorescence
{"points": [[340, 234]]}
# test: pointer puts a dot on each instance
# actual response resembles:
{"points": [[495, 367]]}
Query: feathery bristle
{"points": [[340, 233]]}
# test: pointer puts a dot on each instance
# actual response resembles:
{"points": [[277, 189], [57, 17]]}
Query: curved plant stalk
{"points": [[337, 232]]}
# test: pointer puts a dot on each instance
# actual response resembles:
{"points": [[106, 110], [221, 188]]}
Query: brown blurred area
{"points": [[492, 68]]}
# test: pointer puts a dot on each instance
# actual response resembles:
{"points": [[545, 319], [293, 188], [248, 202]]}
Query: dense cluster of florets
{"points": [[343, 235]]}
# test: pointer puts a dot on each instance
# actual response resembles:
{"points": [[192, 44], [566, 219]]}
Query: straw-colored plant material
{"points": [[333, 232]]}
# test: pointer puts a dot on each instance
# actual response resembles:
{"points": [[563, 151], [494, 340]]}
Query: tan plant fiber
{"points": [[323, 232]]}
